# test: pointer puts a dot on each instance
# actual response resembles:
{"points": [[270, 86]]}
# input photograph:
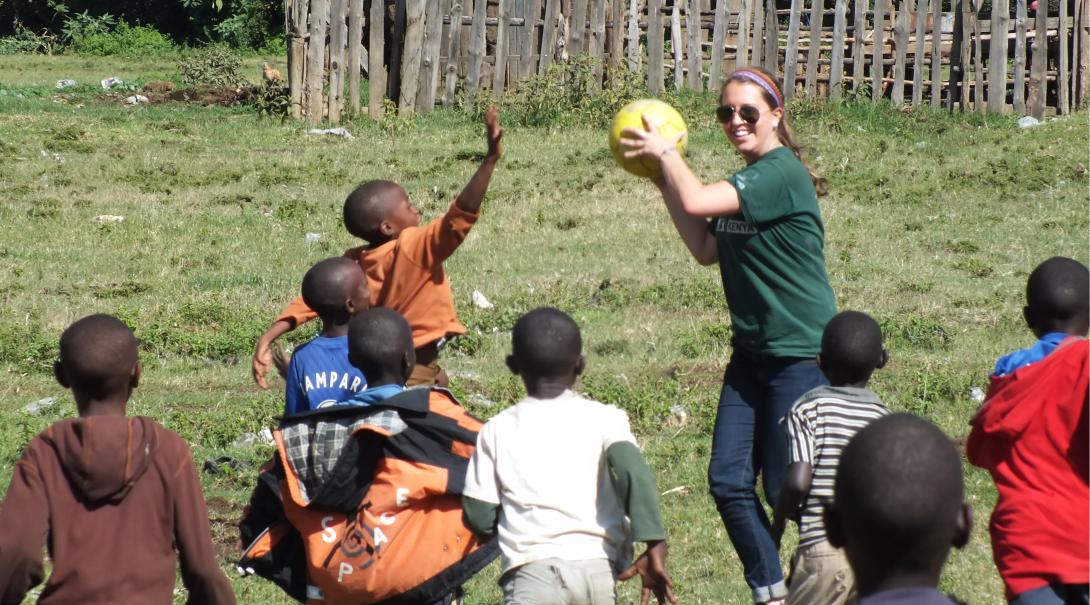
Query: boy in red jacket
{"points": [[1031, 434], [111, 495]]}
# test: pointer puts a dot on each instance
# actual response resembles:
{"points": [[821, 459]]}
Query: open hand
{"points": [[494, 132], [647, 143], [651, 567], [261, 362]]}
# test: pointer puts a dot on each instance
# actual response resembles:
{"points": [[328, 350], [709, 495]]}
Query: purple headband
{"points": [[762, 81]]}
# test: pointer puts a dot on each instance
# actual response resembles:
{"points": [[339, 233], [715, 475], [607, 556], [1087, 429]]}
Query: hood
{"points": [[103, 456]]}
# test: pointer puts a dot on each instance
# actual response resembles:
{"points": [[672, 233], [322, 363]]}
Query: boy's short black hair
{"points": [[1058, 290], [547, 343], [366, 207], [97, 356], [329, 283], [379, 341], [851, 346], [898, 494]]}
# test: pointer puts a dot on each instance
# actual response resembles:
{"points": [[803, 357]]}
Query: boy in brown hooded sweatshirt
{"points": [[111, 495]]}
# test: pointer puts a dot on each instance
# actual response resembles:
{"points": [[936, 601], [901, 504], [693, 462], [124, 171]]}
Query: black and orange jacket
{"points": [[363, 504]]}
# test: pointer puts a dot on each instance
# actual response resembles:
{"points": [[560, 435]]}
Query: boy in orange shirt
{"points": [[403, 262]]}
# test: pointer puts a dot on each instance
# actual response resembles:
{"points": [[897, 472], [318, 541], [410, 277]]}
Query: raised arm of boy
{"points": [[635, 485]]}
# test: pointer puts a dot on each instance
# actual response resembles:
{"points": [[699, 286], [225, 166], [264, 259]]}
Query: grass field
{"points": [[933, 222]]}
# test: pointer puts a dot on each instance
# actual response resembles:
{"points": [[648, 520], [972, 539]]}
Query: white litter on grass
{"points": [[337, 132], [480, 400], [136, 100], [107, 219], [681, 489], [312, 237], [976, 394], [262, 437], [56, 156], [1028, 122], [36, 407], [679, 416], [108, 83], [480, 301], [65, 83]]}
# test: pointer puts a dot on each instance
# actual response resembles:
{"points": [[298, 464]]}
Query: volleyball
{"points": [[664, 118]]}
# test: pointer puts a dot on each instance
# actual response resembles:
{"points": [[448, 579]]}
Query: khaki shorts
{"points": [[820, 575], [427, 371], [560, 582]]}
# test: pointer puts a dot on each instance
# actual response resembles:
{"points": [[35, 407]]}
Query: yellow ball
{"points": [[664, 118]]}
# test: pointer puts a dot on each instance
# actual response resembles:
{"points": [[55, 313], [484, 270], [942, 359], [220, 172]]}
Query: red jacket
{"points": [[1032, 436]]}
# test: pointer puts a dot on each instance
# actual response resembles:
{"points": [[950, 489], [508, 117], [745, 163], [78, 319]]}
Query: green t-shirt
{"points": [[772, 258]]}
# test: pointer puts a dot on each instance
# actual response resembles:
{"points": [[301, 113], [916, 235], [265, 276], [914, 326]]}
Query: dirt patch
{"points": [[224, 96], [223, 516]]}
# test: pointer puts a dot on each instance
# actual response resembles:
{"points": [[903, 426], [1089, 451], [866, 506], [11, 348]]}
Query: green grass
{"points": [[933, 223]]}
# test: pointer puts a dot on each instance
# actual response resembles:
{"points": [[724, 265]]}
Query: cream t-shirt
{"points": [[543, 461]]}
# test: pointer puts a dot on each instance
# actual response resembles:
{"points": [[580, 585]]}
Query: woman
{"points": [[763, 226]]}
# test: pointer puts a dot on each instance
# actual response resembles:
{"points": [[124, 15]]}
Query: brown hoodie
{"points": [[114, 496]]}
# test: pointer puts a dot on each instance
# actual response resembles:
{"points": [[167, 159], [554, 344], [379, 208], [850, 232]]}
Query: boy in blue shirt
{"points": [[319, 374]]}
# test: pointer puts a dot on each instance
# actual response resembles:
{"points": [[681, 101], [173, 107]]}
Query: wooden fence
{"points": [[946, 53]]}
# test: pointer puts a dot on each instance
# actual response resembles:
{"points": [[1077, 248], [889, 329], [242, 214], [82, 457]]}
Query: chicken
{"points": [[269, 74]]}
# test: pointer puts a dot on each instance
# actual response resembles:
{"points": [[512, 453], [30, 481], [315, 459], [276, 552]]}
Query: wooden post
{"points": [[836, 69], [476, 50], [1063, 75], [936, 53], [597, 39], [772, 38], [719, 37], [1020, 57], [877, 69], [635, 54], [859, 48], [503, 33], [548, 35], [355, 53], [675, 43], [1039, 62], [817, 7], [695, 80], [978, 58], [900, 41], [429, 66], [412, 56], [319, 20], [397, 49], [962, 49], [1082, 45], [791, 56], [578, 27], [617, 35], [654, 47], [920, 52], [997, 56], [756, 43], [338, 38], [744, 15], [297, 52], [376, 73], [516, 35], [529, 62], [454, 46]]}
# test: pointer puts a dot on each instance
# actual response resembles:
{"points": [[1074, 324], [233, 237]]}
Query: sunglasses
{"points": [[749, 114]]}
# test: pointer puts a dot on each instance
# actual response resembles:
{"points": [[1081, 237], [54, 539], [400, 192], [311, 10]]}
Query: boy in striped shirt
{"points": [[819, 426]]}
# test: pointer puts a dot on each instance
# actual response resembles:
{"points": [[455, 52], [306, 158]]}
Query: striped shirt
{"points": [[819, 426]]}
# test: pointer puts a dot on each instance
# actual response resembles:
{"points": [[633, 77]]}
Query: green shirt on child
{"points": [[772, 259]]}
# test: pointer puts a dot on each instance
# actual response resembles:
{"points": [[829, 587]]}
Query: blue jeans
{"points": [[748, 439], [1055, 594]]}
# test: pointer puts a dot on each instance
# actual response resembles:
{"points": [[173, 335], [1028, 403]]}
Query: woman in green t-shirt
{"points": [[763, 226]]}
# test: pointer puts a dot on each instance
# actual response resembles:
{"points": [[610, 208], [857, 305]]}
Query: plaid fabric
{"points": [[314, 443]]}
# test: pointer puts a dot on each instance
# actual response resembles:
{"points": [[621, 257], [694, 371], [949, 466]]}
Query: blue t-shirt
{"points": [[1012, 361], [320, 375]]}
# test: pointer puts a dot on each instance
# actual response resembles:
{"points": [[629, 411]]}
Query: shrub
{"points": [[124, 40], [215, 65], [25, 41]]}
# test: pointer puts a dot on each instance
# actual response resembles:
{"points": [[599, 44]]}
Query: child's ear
{"points": [[350, 307], [834, 531], [1027, 314], [512, 364], [963, 528], [883, 360], [408, 362], [134, 378], [385, 228], [580, 365], [58, 373]]}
